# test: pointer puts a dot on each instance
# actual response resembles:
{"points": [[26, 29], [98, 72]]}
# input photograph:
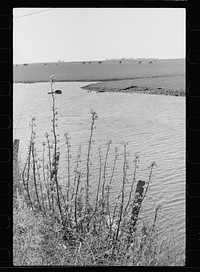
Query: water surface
{"points": [[153, 126]]}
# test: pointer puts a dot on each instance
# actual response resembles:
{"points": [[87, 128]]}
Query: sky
{"points": [[89, 34]]}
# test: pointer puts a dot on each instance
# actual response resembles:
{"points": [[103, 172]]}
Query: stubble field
{"points": [[98, 71]]}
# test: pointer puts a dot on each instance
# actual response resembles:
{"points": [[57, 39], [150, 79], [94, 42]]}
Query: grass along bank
{"points": [[61, 223]]}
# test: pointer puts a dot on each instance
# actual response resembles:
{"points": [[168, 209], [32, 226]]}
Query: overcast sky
{"points": [[78, 34]]}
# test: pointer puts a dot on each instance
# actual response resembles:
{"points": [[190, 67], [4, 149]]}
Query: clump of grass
{"points": [[70, 226], [27, 238]]}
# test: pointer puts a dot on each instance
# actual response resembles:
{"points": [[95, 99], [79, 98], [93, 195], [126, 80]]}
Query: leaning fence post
{"points": [[137, 203], [16, 182]]}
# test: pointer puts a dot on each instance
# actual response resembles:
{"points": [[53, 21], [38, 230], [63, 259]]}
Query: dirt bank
{"points": [[170, 85]]}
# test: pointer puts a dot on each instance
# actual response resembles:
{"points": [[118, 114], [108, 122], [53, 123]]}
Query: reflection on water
{"points": [[153, 126]]}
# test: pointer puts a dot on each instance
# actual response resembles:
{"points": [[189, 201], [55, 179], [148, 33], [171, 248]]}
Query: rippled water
{"points": [[153, 126]]}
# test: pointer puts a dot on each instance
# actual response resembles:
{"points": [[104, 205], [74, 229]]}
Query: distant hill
{"points": [[97, 70]]}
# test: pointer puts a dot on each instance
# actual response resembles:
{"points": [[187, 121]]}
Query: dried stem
{"points": [[133, 182], [123, 190], [68, 164], [75, 201], [104, 170], [25, 182], [34, 176], [44, 177], [150, 175], [111, 178], [94, 117], [52, 78], [50, 171], [41, 189], [100, 169]]}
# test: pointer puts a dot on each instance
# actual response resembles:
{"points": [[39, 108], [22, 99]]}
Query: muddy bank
{"points": [[134, 86]]}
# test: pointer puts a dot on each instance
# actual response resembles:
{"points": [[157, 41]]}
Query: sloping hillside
{"points": [[97, 71]]}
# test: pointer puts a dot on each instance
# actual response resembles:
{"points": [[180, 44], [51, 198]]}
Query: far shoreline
{"points": [[101, 86]]}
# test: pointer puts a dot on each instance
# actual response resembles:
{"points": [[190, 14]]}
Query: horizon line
{"points": [[104, 60]]}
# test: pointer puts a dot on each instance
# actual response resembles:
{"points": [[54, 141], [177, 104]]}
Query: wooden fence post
{"points": [[137, 203], [16, 182]]}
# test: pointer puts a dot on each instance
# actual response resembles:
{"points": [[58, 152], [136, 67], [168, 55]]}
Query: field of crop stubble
{"points": [[168, 71]]}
